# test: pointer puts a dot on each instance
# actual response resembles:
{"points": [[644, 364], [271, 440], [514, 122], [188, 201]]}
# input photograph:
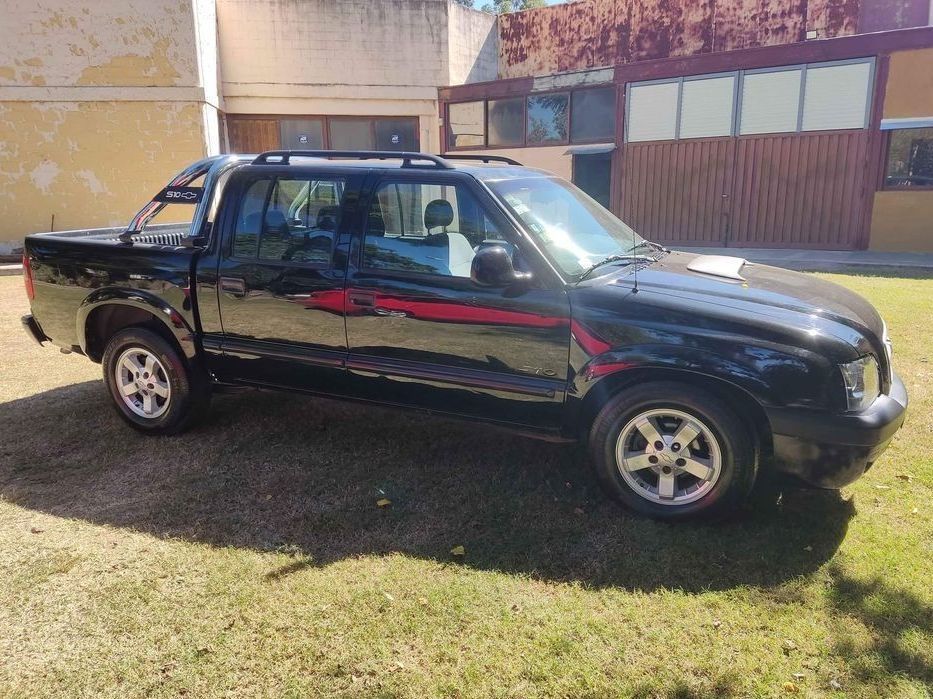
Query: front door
{"points": [[420, 332], [281, 279]]}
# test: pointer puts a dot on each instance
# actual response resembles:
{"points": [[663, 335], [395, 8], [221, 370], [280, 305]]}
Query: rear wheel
{"points": [[152, 387], [671, 451]]}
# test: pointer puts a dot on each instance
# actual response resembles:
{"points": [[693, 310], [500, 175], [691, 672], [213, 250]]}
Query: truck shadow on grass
{"points": [[275, 472]]}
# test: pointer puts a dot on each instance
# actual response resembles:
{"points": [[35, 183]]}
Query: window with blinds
{"points": [[706, 107], [815, 97], [652, 114], [836, 97], [770, 101]]}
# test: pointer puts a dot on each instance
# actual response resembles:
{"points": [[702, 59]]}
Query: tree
{"points": [[501, 7]]}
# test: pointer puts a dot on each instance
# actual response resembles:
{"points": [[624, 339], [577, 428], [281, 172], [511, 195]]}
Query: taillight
{"points": [[27, 278]]}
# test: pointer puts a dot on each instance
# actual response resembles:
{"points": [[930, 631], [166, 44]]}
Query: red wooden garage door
{"points": [[798, 190]]}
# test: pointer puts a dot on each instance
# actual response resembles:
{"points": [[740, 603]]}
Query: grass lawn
{"points": [[249, 557]]}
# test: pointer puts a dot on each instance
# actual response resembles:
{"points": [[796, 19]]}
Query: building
{"points": [[737, 122]]}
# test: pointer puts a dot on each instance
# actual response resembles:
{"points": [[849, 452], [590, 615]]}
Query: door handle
{"points": [[359, 298], [233, 285], [380, 311]]}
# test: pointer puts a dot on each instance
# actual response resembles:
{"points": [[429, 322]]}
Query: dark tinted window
{"points": [[351, 134], [426, 228], [289, 220], [506, 122], [249, 219], [547, 119], [302, 133], [396, 134], [910, 158], [593, 116]]}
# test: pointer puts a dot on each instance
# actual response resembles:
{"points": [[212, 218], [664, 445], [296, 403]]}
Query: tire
{"points": [[724, 452], [169, 400]]}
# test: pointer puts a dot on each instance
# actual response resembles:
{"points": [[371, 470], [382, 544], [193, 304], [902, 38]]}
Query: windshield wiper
{"points": [[622, 259]]}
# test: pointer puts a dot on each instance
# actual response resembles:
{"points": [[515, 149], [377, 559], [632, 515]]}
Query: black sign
{"points": [[180, 195]]}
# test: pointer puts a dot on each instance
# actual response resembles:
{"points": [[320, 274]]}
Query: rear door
{"points": [[420, 332], [280, 277]]}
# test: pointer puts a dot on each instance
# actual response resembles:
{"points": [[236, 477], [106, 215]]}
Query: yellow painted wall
{"points": [[550, 158], [909, 90], [902, 221], [89, 163]]}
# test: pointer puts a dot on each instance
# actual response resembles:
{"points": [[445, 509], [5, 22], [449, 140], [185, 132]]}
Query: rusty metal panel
{"points": [[663, 28], [829, 18], [881, 15], [782, 22], [672, 191], [800, 190], [526, 44]]}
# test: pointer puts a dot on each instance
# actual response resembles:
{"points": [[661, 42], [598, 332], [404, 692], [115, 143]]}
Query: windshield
{"points": [[574, 230]]}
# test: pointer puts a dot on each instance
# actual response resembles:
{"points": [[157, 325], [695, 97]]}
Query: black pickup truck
{"points": [[474, 287]]}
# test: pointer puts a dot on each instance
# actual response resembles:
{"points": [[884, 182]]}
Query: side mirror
{"points": [[492, 266]]}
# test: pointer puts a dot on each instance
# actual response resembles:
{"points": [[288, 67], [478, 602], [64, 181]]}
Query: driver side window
{"points": [[427, 228]]}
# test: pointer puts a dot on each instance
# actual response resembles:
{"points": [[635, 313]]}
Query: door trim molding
{"points": [[475, 378]]}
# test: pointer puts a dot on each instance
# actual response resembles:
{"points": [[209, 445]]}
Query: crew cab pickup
{"points": [[471, 286]]}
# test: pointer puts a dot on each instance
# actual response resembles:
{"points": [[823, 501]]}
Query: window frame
{"points": [[326, 119], [737, 92], [228, 249], [524, 97], [883, 184]]}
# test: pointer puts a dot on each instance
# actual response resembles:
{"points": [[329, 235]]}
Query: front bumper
{"points": [[832, 450], [31, 326]]}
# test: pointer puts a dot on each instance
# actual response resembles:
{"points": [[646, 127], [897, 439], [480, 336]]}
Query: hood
{"points": [[760, 289]]}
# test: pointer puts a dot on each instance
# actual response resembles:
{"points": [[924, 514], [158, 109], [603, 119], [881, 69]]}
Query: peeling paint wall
{"points": [[101, 101], [88, 163], [589, 33]]}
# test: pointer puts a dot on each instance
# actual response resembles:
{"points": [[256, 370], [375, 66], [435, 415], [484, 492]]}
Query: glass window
{"points": [[593, 115], [425, 228], [910, 158], [547, 119], [396, 134], [249, 219], [307, 134], [836, 97], [506, 122], [770, 101], [288, 220], [466, 124], [351, 134], [574, 230], [706, 107], [652, 112]]}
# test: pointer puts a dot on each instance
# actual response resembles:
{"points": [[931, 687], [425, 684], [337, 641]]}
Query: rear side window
{"points": [[287, 219], [425, 228]]}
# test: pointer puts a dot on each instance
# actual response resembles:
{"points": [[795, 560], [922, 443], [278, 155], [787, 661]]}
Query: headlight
{"points": [[862, 381]]}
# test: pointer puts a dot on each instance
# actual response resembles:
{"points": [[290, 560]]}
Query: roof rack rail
{"points": [[480, 157], [282, 157]]}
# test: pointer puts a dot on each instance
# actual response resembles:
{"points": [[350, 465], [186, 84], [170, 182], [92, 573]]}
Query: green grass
{"points": [[248, 557]]}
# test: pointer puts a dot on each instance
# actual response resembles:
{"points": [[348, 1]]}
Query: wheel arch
{"points": [[748, 408], [108, 311]]}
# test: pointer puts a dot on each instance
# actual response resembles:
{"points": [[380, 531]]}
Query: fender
{"points": [[144, 301], [764, 375]]}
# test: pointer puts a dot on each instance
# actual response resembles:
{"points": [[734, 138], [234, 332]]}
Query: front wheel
{"points": [[672, 451], [152, 387]]}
